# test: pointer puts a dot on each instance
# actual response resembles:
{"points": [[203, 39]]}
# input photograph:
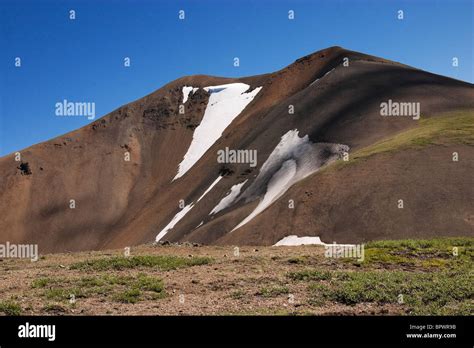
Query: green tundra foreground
{"points": [[409, 277]]}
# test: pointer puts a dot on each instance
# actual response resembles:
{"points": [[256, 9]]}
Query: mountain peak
{"points": [[219, 165]]}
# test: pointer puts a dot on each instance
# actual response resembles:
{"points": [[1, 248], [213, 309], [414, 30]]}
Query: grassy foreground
{"points": [[432, 277]]}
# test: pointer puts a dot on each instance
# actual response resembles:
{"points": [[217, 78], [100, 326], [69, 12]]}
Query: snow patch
{"points": [[294, 240], [174, 221], [186, 91], [229, 199], [210, 187], [226, 102], [292, 160], [278, 185]]}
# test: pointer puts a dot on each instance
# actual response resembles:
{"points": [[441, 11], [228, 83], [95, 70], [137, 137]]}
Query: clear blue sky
{"points": [[82, 60]]}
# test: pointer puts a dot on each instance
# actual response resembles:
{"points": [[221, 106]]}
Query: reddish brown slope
{"points": [[342, 107], [122, 203], [88, 166]]}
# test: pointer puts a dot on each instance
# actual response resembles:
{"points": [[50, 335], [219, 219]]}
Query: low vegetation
{"points": [[310, 274], [451, 128], [421, 293], [163, 263], [273, 291], [10, 308], [435, 253], [121, 288], [420, 276]]}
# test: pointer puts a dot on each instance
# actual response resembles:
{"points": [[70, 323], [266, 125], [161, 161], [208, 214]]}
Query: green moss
{"points": [[41, 282], [273, 291], [438, 252], [10, 308], [298, 260], [163, 263], [54, 307], [128, 296], [310, 274], [422, 293], [428, 276], [147, 283], [118, 286], [60, 294], [416, 244]]}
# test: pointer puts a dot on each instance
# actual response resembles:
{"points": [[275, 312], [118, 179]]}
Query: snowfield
{"points": [[292, 160], [226, 102]]}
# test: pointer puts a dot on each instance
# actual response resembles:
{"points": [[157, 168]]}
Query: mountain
{"points": [[325, 155]]}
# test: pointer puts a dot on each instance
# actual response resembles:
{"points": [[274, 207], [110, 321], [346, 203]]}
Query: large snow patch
{"points": [[226, 102]]}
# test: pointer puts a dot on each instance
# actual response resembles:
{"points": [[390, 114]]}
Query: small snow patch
{"points": [[186, 91], [294, 240], [210, 187], [229, 199], [174, 221]]}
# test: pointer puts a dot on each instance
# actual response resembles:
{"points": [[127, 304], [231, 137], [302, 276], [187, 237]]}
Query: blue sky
{"points": [[82, 59]]}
